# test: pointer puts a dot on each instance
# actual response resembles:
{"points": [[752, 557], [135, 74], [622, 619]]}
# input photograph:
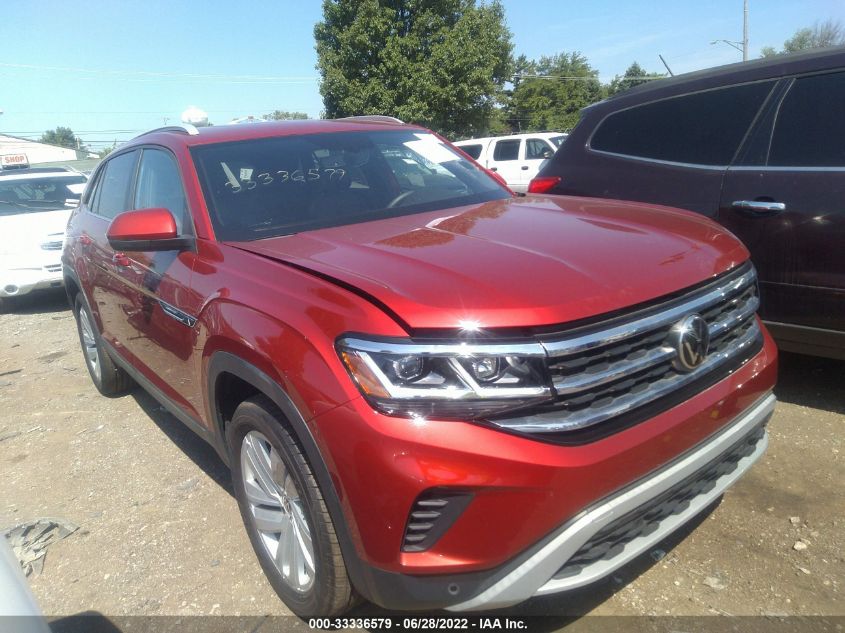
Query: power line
{"points": [[156, 112], [589, 78], [164, 75], [77, 132]]}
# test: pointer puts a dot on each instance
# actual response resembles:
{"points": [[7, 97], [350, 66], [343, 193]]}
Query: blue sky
{"points": [[112, 68]]}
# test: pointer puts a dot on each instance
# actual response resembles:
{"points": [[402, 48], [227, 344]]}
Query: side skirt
{"points": [[174, 409]]}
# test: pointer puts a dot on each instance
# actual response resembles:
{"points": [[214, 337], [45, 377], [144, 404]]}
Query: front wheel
{"points": [[108, 378], [284, 513]]}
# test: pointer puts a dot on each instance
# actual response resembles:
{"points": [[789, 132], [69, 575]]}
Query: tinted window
{"points": [[810, 127], [536, 148], [703, 128], [472, 150], [558, 140], [91, 190], [278, 186], [160, 185], [115, 183], [506, 150]]}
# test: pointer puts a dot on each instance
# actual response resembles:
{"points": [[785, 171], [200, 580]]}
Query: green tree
{"points": [[284, 115], [441, 63], [550, 92], [634, 76], [105, 151], [821, 35], [63, 137]]}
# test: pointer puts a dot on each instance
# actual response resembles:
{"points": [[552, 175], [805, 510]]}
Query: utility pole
{"points": [[742, 46], [745, 30]]}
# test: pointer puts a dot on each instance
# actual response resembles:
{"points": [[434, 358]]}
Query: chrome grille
{"points": [[602, 372], [54, 242]]}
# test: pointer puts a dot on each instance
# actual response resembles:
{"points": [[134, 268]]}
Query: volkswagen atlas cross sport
{"points": [[431, 393]]}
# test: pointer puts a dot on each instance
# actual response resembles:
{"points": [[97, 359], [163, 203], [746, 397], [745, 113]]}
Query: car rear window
{"points": [[472, 150], [30, 195], [278, 186], [704, 128]]}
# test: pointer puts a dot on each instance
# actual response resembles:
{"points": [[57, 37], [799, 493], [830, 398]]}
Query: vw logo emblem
{"points": [[690, 338]]}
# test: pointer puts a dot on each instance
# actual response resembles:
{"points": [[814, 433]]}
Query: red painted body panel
{"points": [[523, 488], [518, 262]]}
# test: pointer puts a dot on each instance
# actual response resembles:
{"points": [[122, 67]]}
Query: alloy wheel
{"points": [[89, 344], [277, 511]]}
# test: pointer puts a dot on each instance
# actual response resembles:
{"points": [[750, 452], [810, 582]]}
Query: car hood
{"points": [[24, 232], [531, 261]]}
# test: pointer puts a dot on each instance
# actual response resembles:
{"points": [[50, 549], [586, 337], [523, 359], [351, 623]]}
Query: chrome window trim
{"points": [[658, 161], [781, 168]]}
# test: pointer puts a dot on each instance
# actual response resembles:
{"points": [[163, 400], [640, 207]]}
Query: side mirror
{"points": [[146, 230], [547, 153]]}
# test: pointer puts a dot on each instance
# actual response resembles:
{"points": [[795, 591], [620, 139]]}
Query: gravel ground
{"points": [[159, 532]]}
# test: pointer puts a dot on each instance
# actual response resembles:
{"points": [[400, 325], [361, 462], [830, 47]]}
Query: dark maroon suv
{"points": [[756, 146]]}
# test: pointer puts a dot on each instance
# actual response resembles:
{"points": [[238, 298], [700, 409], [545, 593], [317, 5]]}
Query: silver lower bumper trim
{"points": [[535, 576]]}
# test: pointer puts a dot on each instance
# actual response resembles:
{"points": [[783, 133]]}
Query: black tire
{"points": [[108, 378], [8, 304], [331, 592]]}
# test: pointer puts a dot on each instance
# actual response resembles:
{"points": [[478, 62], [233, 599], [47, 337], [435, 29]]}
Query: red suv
{"points": [[431, 393]]}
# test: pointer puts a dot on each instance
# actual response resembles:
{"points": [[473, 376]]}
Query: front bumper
{"points": [[21, 281], [692, 482], [525, 493]]}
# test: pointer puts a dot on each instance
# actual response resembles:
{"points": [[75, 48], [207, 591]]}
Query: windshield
{"points": [[557, 140], [278, 186], [31, 195]]}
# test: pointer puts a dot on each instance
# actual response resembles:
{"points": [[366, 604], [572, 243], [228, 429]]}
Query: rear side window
{"points": [[810, 127], [114, 185], [473, 150], [506, 150], [536, 148], [704, 128]]}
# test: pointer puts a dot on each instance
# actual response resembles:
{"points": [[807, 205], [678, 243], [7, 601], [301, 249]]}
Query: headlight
{"points": [[446, 380]]}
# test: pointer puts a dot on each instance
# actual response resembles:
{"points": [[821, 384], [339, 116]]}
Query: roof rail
{"points": [[183, 128], [372, 118]]}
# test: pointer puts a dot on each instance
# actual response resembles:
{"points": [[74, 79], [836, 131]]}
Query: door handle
{"points": [[758, 208], [119, 259], [525, 168]]}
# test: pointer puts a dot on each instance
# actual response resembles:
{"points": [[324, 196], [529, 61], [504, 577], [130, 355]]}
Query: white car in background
{"points": [[516, 158], [35, 204]]}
